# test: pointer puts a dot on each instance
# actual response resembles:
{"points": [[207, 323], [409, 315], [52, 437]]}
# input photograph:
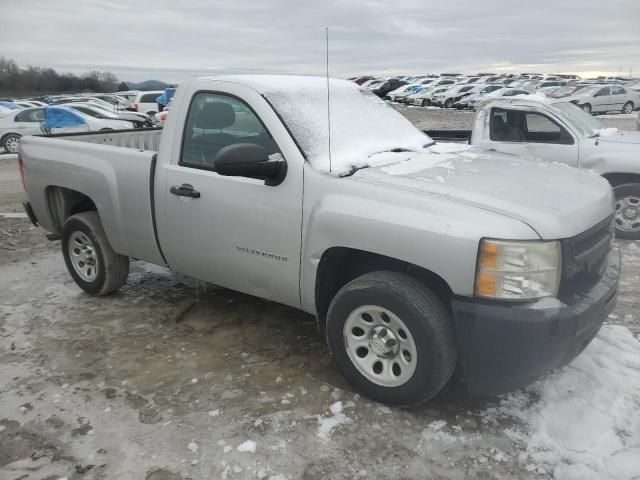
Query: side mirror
{"points": [[249, 160]]}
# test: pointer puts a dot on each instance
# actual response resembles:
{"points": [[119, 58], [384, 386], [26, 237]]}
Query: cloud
{"points": [[173, 40]]}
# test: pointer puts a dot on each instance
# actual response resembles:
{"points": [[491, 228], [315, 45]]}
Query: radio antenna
{"points": [[328, 100]]}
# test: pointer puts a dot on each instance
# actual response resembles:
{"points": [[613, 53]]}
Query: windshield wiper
{"points": [[393, 150]]}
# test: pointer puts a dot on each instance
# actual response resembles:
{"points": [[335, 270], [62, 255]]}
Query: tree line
{"points": [[33, 80]]}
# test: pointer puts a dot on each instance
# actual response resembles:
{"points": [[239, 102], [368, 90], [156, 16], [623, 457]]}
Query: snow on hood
{"points": [[619, 136], [557, 201], [361, 123]]}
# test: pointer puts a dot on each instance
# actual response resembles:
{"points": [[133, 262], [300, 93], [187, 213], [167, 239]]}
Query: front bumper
{"points": [[505, 346]]}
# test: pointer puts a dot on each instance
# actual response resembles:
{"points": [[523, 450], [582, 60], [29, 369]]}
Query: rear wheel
{"points": [[391, 338], [628, 107], [424, 103], [448, 103], [11, 143], [627, 216], [90, 260], [586, 107]]}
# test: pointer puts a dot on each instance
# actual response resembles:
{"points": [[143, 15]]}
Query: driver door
{"points": [[232, 231]]}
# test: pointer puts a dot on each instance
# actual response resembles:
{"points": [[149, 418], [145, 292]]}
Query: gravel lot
{"points": [[171, 379]]}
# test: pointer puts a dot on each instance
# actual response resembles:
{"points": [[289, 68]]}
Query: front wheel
{"points": [[628, 107], [586, 107], [627, 217], [11, 143], [392, 338], [448, 103], [90, 260]]}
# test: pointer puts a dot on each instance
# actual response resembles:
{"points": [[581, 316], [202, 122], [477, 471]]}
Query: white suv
{"points": [[145, 102]]}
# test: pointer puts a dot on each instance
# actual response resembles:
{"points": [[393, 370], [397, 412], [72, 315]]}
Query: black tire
{"points": [[112, 268], [586, 107], [621, 191], [427, 320], [5, 141], [627, 107], [448, 103]]}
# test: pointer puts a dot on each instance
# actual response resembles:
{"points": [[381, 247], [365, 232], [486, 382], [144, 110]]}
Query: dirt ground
{"points": [[170, 379]]}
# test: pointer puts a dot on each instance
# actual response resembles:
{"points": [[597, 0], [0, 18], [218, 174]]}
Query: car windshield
{"points": [[361, 123], [584, 123]]}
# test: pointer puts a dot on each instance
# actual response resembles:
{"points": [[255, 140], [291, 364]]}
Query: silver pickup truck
{"points": [[419, 259], [557, 130]]}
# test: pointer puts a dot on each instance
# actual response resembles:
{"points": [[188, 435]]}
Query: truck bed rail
{"points": [[461, 136], [139, 138]]}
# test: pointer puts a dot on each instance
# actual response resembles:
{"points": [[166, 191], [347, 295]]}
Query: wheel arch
{"points": [[63, 202], [339, 265], [619, 178], [6, 134]]}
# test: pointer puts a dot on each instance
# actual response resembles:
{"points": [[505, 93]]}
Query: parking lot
{"points": [[172, 379]]}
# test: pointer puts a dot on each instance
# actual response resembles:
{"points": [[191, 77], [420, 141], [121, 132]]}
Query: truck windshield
{"points": [[583, 122], [361, 123]]}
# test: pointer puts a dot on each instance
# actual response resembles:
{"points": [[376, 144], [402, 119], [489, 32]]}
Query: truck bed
{"points": [[114, 170]]}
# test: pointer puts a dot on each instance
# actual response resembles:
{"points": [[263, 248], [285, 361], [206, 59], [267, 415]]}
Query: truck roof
{"points": [[282, 82]]}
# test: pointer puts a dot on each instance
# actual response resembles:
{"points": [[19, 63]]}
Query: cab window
{"points": [[215, 121], [519, 126]]}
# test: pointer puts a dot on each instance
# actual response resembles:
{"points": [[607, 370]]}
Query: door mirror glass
{"points": [[250, 160]]}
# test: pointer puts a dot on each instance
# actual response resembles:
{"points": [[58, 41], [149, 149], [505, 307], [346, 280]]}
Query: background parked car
{"points": [[480, 101], [30, 121], [464, 102], [145, 102], [388, 86], [139, 120], [607, 98]]}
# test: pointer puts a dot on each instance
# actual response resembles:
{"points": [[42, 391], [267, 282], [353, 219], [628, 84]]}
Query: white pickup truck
{"points": [[419, 260], [559, 131]]}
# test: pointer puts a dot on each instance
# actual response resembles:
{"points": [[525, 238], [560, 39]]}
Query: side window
{"points": [[149, 98], [618, 91], [215, 121], [23, 117], [36, 115], [505, 126], [541, 129], [602, 92]]}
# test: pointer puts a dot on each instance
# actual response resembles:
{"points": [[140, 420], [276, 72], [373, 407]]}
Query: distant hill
{"points": [[147, 85]]}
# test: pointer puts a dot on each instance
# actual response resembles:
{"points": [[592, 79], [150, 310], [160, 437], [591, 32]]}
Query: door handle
{"points": [[185, 190]]}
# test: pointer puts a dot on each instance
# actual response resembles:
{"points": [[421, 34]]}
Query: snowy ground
{"points": [[165, 381]]}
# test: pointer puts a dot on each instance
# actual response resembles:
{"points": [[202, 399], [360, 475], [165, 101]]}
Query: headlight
{"points": [[518, 270]]}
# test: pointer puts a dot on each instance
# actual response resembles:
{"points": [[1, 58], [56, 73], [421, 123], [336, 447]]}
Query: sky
{"points": [[173, 40]]}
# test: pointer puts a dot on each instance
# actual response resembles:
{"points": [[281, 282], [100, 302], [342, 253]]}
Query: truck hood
{"points": [[619, 136], [555, 200]]}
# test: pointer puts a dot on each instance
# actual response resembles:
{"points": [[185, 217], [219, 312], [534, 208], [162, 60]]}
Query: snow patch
{"points": [[327, 424], [606, 132], [247, 447], [586, 422]]}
